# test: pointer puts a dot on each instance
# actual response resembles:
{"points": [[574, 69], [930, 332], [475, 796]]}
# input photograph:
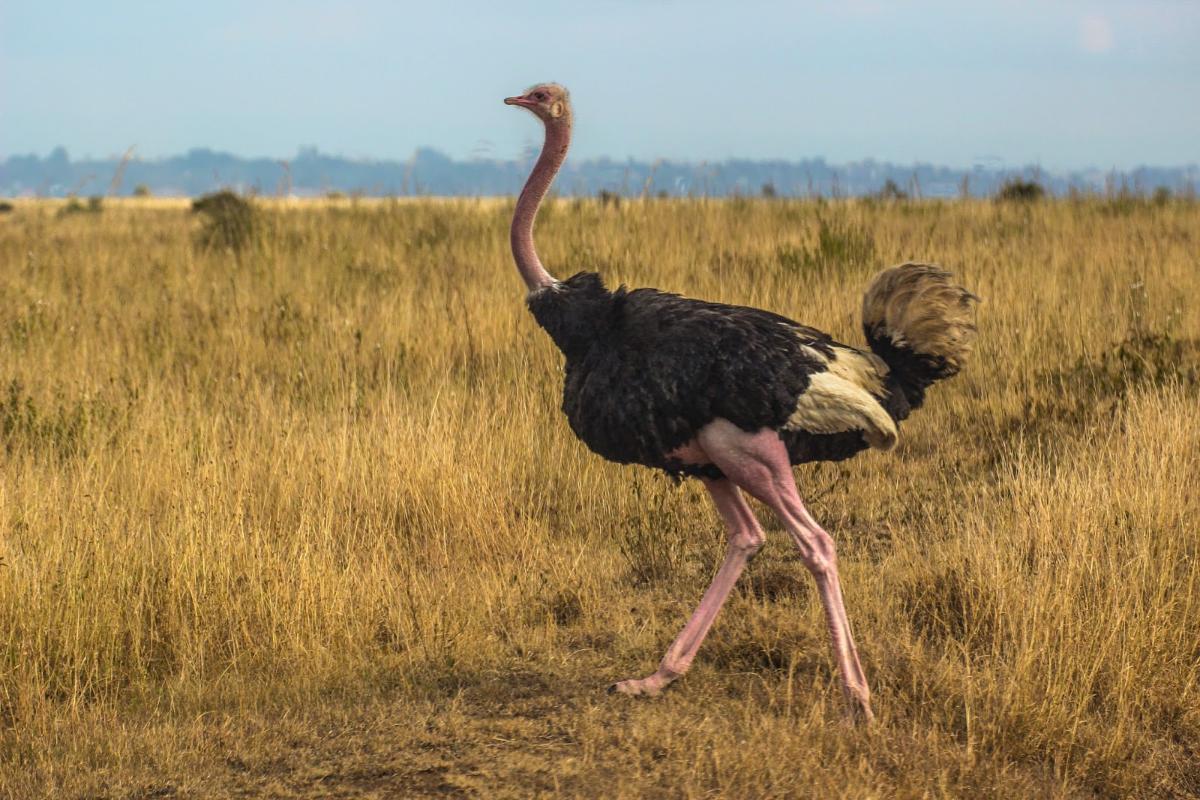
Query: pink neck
{"points": [[554, 151]]}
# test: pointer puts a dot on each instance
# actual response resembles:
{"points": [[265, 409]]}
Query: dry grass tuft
{"points": [[307, 522]]}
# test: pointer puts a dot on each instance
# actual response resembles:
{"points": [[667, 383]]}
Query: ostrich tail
{"points": [[921, 323]]}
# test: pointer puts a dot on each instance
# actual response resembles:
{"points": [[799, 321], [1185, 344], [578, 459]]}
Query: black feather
{"points": [[646, 370], [911, 373], [804, 446]]}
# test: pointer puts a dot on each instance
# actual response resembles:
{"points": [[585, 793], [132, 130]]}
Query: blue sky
{"points": [[1060, 84]]}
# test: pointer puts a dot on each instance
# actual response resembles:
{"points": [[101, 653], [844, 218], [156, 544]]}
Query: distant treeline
{"points": [[429, 172]]}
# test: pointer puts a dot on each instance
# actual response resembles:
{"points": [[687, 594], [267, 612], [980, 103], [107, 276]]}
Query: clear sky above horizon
{"points": [[1062, 84]]}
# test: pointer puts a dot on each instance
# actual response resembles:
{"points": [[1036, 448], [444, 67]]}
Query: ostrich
{"points": [[734, 396]]}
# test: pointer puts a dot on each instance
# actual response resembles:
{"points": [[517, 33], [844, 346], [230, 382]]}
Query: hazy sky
{"points": [[1062, 84]]}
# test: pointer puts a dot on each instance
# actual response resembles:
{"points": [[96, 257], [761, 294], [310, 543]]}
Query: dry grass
{"points": [[305, 520]]}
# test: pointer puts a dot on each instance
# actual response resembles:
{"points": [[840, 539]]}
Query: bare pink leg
{"points": [[745, 539], [758, 463]]}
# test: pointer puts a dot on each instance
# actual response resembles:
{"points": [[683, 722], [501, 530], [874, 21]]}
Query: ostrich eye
{"points": [[539, 95]]}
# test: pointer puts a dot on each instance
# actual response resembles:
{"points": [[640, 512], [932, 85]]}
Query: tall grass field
{"points": [[295, 513]]}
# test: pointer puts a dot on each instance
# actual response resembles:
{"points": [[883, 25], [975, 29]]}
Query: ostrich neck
{"points": [[554, 151]]}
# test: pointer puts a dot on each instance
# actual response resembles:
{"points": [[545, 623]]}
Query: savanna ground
{"points": [[304, 520]]}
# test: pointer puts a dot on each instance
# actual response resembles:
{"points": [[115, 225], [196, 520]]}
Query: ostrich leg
{"points": [[758, 463], [745, 539]]}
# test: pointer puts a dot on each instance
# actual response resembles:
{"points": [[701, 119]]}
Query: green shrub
{"points": [[608, 198], [839, 245], [231, 220], [1018, 190], [891, 191], [94, 205]]}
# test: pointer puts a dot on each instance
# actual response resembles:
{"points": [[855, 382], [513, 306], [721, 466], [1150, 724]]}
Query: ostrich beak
{"points": [[519, 101]]}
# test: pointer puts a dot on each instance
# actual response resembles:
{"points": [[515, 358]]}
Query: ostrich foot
{"points": [[651, 686], [858, 710]]}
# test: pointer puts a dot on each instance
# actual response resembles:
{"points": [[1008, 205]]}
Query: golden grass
{"points": [[306, 521]]}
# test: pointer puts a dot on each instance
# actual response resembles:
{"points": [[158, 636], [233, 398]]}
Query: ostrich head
{"points": [[549, 101]]}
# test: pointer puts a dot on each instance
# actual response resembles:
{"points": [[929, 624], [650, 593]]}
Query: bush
{"points": [[141, 190], [608, 198], [839, 245], [6, 207], [231, 220], [1018, 190], [95, 205], [890, 191]]}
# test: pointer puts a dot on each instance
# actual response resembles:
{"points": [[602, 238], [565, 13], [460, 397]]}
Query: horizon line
{"points": [[989, 163]]}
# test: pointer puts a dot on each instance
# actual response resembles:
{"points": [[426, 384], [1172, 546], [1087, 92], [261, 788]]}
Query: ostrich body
{"points": [[735, 396]]}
